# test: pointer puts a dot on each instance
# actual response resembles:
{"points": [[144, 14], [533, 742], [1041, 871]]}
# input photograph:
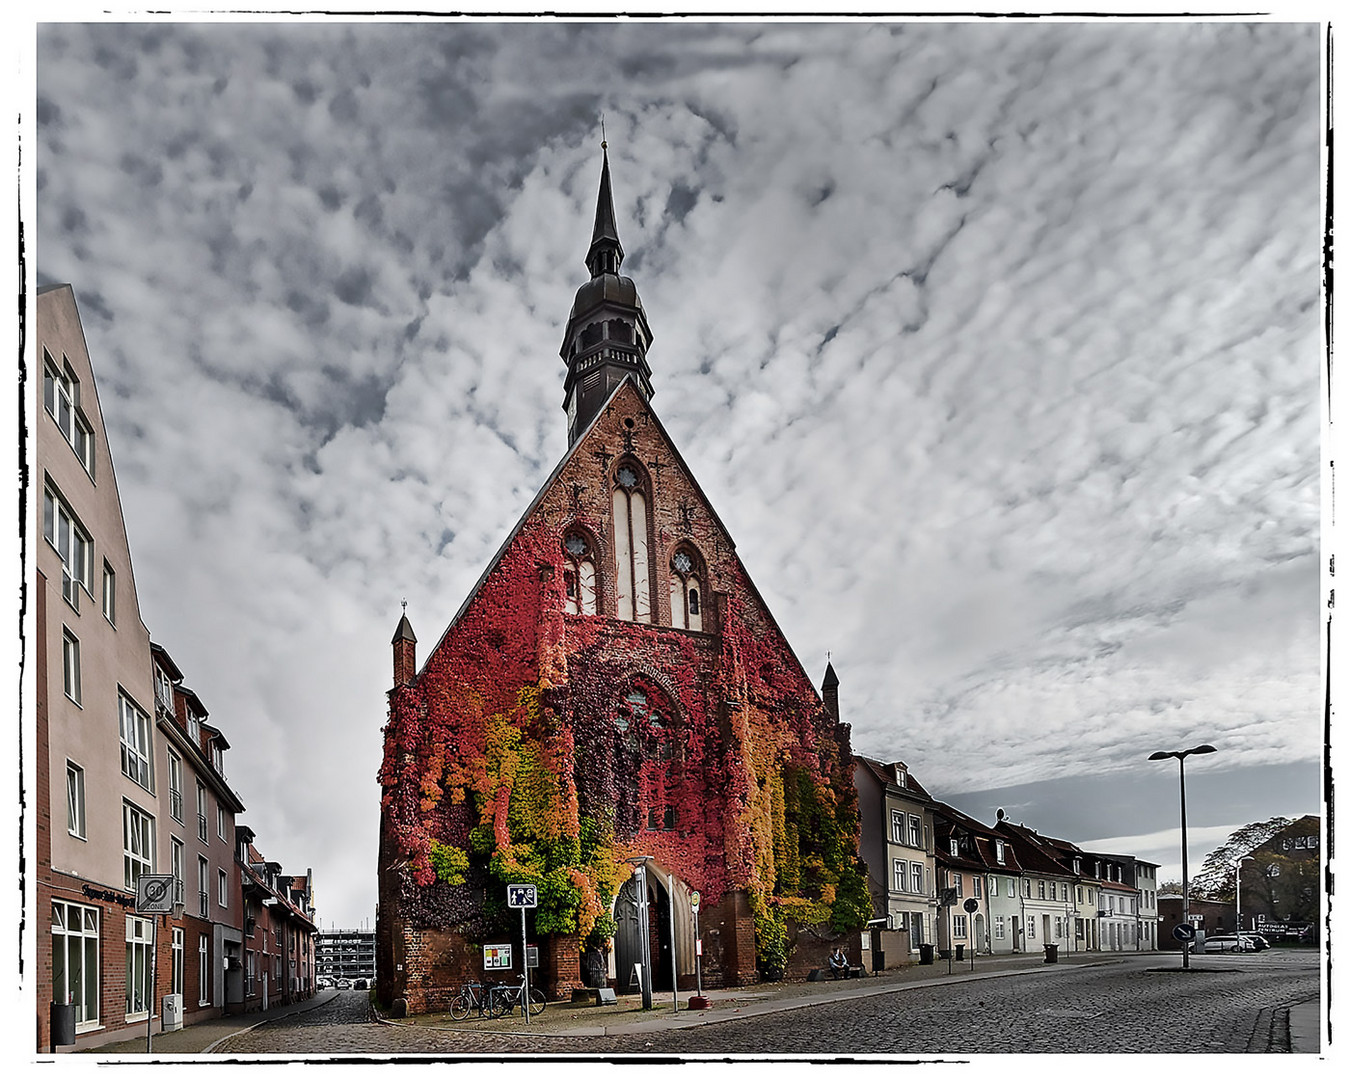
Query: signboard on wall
{"points": [[496, 957]]}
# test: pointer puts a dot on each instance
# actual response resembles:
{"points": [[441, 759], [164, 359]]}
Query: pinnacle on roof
{"points": [[404, 631]]}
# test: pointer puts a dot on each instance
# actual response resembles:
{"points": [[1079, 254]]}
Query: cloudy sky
{"points": [[996, 345]]}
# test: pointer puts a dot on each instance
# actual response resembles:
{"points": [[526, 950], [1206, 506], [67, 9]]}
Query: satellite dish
{"points": [[1000, 813]]}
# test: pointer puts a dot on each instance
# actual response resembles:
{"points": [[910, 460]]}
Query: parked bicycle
{"points": [[506, 997], [477, 996]]}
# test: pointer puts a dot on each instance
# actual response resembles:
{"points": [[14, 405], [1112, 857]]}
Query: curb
{"points": [[701, 1018]]}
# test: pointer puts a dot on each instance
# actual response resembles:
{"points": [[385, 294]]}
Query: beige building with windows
{"points": [[98, 821]]}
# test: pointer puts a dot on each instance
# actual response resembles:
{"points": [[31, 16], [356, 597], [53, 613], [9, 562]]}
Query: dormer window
{"points": [[194, 729], [901, 775], [955, 847], [164, 689], [999, 853]]}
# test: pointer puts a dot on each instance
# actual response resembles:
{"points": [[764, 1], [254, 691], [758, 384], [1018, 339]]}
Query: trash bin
{"points": [[925, 954], [960, 952], [1052, 954], [63, 1024], [878, 960]]}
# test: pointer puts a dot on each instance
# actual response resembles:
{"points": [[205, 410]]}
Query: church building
{"points": [[613, 692]]}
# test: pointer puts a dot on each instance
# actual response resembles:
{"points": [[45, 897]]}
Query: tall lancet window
{"points": [[632, 585], [578, 574], [686, 589]]}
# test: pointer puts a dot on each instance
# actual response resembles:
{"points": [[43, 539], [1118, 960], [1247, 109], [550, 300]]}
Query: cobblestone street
{"points": [[1142, 1004]]}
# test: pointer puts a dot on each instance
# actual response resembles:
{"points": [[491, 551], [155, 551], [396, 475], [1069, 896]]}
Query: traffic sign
{"points": [[154, 894], [971, 904], [1183, 932], [694, 898], [522, 896]]}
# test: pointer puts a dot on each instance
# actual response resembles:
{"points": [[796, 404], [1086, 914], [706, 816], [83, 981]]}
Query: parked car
{"points": [[359, 984], [344, 984], [1236, 943]]}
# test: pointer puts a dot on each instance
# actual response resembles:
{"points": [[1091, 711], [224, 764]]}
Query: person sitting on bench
{"points": [[838, 964]]}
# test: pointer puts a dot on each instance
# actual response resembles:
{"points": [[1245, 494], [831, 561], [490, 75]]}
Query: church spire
{"points": [[607, 335], [606, 252]]}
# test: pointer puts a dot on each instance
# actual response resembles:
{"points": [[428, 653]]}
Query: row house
{"points": [[126, 756], [279, 964], [976, 864], [1049, 893], [896, 843]]}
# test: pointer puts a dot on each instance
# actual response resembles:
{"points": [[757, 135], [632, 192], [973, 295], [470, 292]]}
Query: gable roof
{"points": [[885, 774], [544, 488]]}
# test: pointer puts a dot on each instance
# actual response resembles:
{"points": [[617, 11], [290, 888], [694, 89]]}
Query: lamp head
{"points": [[1160, 755], [1203, 748]]}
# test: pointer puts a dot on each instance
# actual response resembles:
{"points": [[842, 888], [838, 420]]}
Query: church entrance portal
{"points": [[628, 940]]}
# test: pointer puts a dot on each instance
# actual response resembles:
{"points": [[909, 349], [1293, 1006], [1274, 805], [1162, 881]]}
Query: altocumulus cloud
{"points": [[995, 346]]}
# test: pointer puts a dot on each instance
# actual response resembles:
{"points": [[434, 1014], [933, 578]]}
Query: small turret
{"points": [[405, 652], [829, 691]]}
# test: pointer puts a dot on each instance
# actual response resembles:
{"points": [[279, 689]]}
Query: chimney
{"points": [[405, 652], [829, 691]]}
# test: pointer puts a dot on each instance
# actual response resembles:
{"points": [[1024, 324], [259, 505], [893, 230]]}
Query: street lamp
{"points": [[1237, 892], [1181, 756]]}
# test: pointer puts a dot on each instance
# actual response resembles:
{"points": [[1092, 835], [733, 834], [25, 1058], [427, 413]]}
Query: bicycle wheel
{"points": [[498, 1004], [459, 1007], [537, 1002]]}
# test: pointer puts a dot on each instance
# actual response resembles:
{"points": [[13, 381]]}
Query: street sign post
{"points": [[694, 899], [523, 897], [154, 897], [971, 905]]}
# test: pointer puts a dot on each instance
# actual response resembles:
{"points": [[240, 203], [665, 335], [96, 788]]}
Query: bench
{"points": [[823, 974], [602, 996]]}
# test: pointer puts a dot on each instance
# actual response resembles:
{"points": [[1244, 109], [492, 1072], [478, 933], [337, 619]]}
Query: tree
{"points": [[1216, 877]]}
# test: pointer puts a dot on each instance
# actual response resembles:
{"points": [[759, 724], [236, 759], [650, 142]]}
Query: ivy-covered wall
{"points": [[536, 746]]}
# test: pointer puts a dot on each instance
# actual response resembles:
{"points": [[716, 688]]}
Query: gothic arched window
{"points": [[686, 589], [632, 586], [648, 729], [578, 574]]}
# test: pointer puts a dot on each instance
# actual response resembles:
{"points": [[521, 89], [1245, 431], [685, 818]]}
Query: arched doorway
{"points": [[979, 942], [628, 939]]}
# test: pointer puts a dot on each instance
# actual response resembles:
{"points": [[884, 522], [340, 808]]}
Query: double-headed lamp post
{"points": [[1181, 756]]}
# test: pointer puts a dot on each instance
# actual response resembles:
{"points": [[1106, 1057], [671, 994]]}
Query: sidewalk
{"points": [[1305, 1028], [201, 1038], [626, 1017]]}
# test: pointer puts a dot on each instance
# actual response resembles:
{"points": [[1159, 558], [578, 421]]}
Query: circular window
{"points": [[682, 563], [627, 477], [576, 545]]}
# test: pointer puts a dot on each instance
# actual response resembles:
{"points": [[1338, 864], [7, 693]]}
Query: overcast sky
{"points": [[995, 345]]}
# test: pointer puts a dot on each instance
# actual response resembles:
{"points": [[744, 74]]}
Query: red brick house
{"points": [[613, 688]]}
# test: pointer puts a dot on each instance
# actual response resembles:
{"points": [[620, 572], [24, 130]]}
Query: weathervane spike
{"points": [[405, 605], [604, 144]]}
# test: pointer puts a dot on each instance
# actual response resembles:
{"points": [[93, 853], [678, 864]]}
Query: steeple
{"points": [[607, 333], [405, 650]]}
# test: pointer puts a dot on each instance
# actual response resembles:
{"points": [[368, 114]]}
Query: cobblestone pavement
{"points": [[1141, 1004]]}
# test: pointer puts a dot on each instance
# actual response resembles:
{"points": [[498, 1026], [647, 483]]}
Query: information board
{"points": [[496, 957]]}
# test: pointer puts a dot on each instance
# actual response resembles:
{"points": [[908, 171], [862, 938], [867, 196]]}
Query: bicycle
{"points": [[507, 997], [480, 996]]}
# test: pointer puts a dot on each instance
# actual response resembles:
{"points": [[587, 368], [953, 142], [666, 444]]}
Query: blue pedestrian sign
{"points": [[521, 896]]}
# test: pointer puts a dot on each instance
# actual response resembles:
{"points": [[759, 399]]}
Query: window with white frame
{"points": [[72, 543], [898, 875], [915, 833], [176, 967], [61, 397], [1040, 889], [1078, 894], [176, 787], [75, 822], [916, 878], [222, 888], [1059, 926], [164, 689], [134, 727], [139, 992], [109, 593], [955, 847], [897, 827], [250, 971], [993, 886], [220, 821], [1026, 888], [958, 926], [75, 954], [203, 971], [999, 927], [1031, 928], [70, 666], [975, 885], [203, 880], [1000, 854], [138, 844], [202, 832], [176, 867], [957, 881]]}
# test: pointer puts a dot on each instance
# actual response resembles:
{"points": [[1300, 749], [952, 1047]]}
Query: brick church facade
{"points": [[613, 688]]}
